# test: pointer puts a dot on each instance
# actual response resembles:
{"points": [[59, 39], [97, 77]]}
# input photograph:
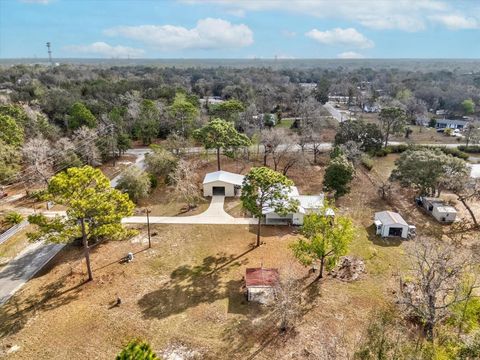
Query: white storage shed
{"points": [[391, 224], [222, 183]]}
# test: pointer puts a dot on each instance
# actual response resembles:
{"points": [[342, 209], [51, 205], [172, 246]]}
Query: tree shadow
{"points": [[384, 242], [190, 286], [16, 312]]}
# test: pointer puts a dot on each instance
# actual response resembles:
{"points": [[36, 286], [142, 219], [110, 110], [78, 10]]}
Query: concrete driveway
{"points": [[215, 214]]}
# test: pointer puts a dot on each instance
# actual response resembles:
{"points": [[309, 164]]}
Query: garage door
{"points": [[218, 190], [393, 231]]}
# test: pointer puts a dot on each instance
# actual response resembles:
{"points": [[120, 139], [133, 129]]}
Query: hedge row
{"points": [[397, 149], [473, 149]]}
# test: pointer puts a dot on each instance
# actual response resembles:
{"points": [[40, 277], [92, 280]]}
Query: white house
{"points": [[308, 204], [261, 283], [222, 183], [389, 223], [439, 210]]}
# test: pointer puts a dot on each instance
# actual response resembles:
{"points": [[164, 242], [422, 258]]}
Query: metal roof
{"points": [[225, 176], [390, 218], [261, 277]]}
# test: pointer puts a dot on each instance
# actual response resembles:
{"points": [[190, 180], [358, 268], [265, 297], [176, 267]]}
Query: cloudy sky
{"points": [[241, 28]]}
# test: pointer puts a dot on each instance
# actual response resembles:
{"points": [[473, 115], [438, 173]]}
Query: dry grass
{"points": [[188, 288]]}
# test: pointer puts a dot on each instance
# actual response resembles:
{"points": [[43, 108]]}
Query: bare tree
{"points": [[287, 304], [84, 139], [185, 180], [310, 126], [435, 283], [271, 140], [36, 154], [294, 159]]}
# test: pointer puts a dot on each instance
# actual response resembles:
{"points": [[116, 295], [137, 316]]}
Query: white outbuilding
{"points": [[391, 224], [442, 212], [222, 183]]}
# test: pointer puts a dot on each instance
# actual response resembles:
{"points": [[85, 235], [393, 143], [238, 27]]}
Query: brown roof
{"points": [[261, 277]]}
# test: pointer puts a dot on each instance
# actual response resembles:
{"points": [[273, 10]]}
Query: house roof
{"points": [[390, 218], [452, 121], [261, 277], [225, 176], [446, 209]]}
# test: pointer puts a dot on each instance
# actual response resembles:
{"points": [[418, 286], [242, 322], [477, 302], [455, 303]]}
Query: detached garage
{"points": [[222, 183], [391, 224]]}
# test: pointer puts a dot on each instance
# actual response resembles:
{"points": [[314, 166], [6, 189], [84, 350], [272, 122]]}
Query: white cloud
{"points": [[105, 50], [338, 36], [207, 34], [406, 15], [236, 12], [350, 55], [456, 21]]}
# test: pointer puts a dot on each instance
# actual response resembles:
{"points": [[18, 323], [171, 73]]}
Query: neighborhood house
{"points": [[222, 183], [307, 204], [438, 209], [261, 283], [450, 124], [391, 224]]}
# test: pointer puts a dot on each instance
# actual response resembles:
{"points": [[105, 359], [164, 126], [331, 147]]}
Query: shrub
{"points": [[13, 218], [455, 152], [137, 350], [135, 182], [367, 161], [473, 149], [153, 181]]}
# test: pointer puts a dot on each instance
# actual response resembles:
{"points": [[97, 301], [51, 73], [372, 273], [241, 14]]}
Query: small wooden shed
{"points": [[261, 283]]}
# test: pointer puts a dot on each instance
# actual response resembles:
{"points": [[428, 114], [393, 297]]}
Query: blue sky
{"points": [[241, 28]]}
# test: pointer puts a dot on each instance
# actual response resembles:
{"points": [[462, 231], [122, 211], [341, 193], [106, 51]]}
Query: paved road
{"points": [[337, 115], [214, 215], [24, 267]]}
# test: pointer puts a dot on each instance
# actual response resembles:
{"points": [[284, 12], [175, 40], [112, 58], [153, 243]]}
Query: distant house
{"points": [[441, 112], [308, 86], [391, 224], [308, 204], [371, 108], [211, 100], [222, 183], [438, 209], [261, 283], [451, 124]]}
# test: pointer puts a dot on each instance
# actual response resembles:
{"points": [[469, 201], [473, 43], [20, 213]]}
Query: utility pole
{"points": [[49, 47], [147, 210]]}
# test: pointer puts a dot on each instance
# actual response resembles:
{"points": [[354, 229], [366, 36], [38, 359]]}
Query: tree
{"points": [[265, 189], [367, 135], [471, 134], [310, 126], [176, 143], [183, 112], [94, 210], [325, 239], [322, 91], [227, 110], [338, 175], [85, 140], [137, 350], [467, 189], [434, 284], [287, 304], [219, 134], [135, 182], [147, 126], [468, 106], [428, 170], [392, 121], [185, 180], [37, 157], [80, 115], [160, 162], [10, 132], [9, 162]]}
